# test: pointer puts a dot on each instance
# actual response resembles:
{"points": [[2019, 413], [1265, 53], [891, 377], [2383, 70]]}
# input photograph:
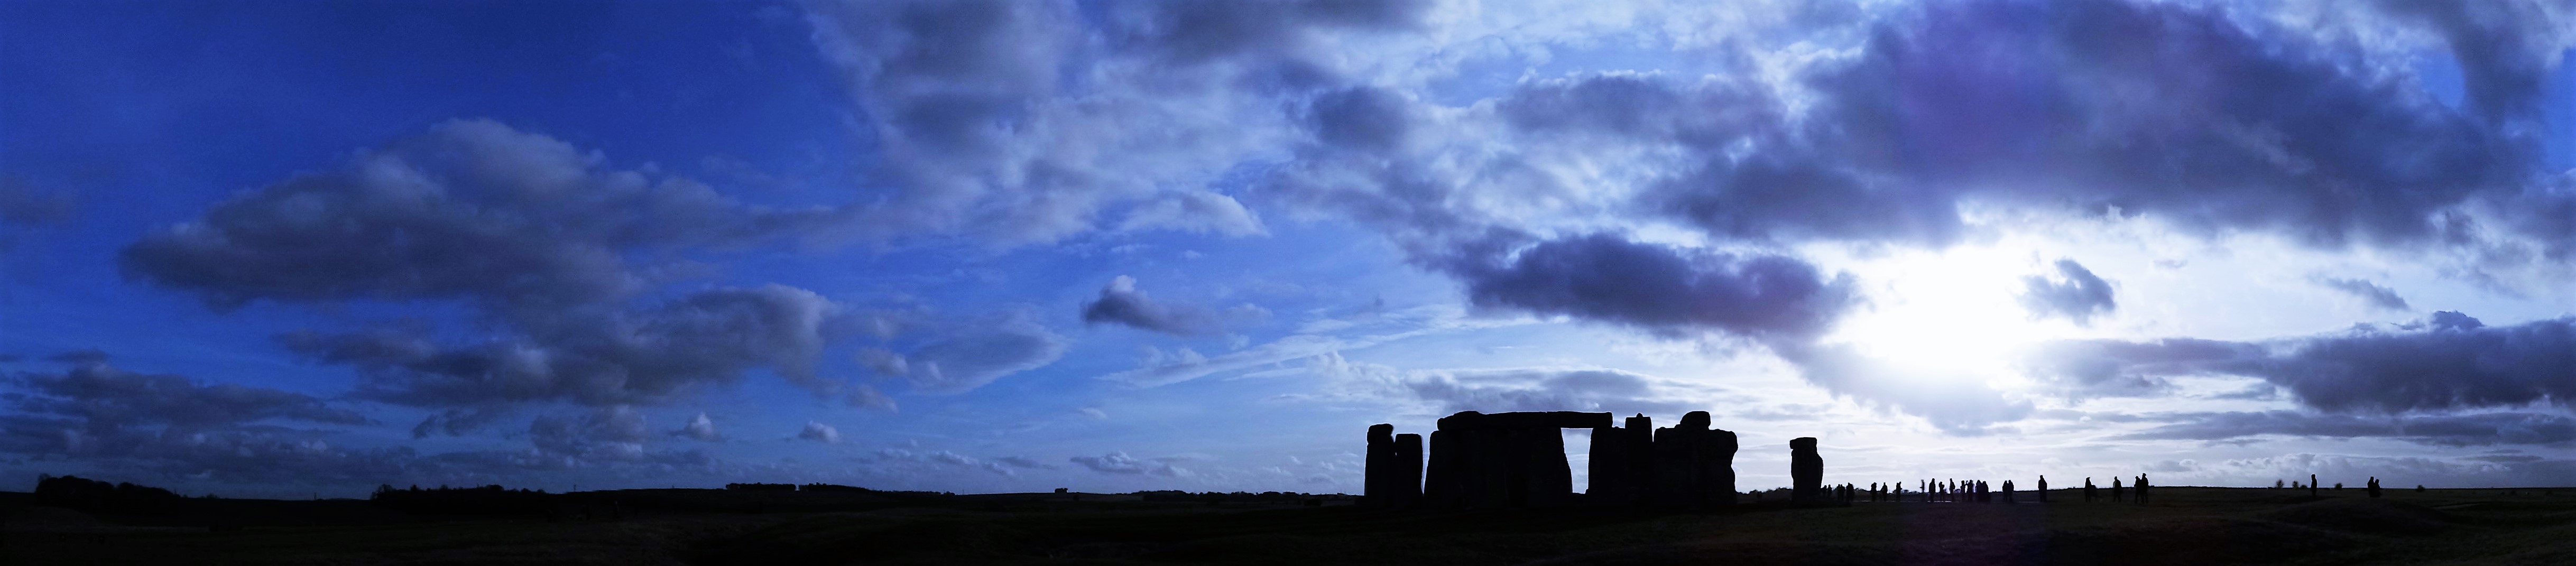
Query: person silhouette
{"points": [[2008, 491], [2116, 490], [2043, 489], [2142, 489], [2088, 489]]}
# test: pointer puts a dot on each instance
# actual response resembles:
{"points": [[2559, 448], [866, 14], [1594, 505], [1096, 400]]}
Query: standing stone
{"points": [[1408, 470], [1444, 484], [1717, 468], [1611, 484], [1639, 437], [1806, 471], [1377, 487]]}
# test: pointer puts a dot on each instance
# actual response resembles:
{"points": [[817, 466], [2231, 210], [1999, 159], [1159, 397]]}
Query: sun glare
{"points": [[1952, 312]]}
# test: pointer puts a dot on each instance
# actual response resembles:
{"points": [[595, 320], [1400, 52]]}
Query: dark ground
{"points": [[2184, 526]]}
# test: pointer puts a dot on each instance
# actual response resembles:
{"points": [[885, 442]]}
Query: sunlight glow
{"points": [[1950, 312]]}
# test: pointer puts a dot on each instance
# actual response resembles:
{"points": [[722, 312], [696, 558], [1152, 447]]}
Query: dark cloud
{"points": [[1655, 287], [2379, 297], [173, 426], [517, 222], [2168, 110], [104, 397], [1196, 32], [1361, 119], [597, 357], [2505, 50], [2482, 429], [1023, 462], [614, 433], [22, 207], [1121, 303], [2451, 361], [2076, 294], [2118, 368]]}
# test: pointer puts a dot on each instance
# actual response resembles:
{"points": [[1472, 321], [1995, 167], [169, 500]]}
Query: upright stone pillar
{"points": [[1444, 483], [1717, 471], [1806, 471], [1639, 438], [1610, 482], [1377, 487], [1408, 470]]}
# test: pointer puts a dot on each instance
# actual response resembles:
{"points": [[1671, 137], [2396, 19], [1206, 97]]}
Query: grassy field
{"points": [[2184, 526]]}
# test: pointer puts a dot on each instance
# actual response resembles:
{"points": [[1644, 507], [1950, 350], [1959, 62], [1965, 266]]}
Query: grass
{"points": [[2184, 526]]}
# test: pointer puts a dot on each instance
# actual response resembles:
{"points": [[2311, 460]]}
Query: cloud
{"points": [[104, 397], [1023, 462], [2075, 294], [22, 207], [2481, 429], [1956, 404], [1658, 288], [2450, 361], [2379, 297], [700, 428], [1162, 369], [596, 357], [1121, 303], [1019, 122], [606, 433], [532, 232], [1121, 463], [517, 222], [819, 432], [175, 426], [970, 357], [1505, 389]]}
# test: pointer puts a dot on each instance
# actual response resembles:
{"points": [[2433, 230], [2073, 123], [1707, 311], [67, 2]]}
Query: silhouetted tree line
{"points": [[761, 486], [75, 492], [444, 500]]}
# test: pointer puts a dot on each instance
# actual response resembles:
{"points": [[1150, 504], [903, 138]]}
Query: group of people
{"points": [[1977, 491], [2138, 485]]}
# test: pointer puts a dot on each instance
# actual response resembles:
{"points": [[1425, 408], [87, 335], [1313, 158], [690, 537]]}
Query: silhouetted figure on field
{"points": [[2374, 487], [1985, 492], [2088, 489], [2142, 489], [1806, 470], [2276, 484], [2419, 488], [2117, 490], [2043, 489], [2008, 491], [2312, 485]]}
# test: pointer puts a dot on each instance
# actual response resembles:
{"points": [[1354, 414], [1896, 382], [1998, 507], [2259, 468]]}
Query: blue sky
{"points": [[289, 248]]}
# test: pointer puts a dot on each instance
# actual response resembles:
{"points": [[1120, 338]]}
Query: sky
{"points": [[302, 249]]}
